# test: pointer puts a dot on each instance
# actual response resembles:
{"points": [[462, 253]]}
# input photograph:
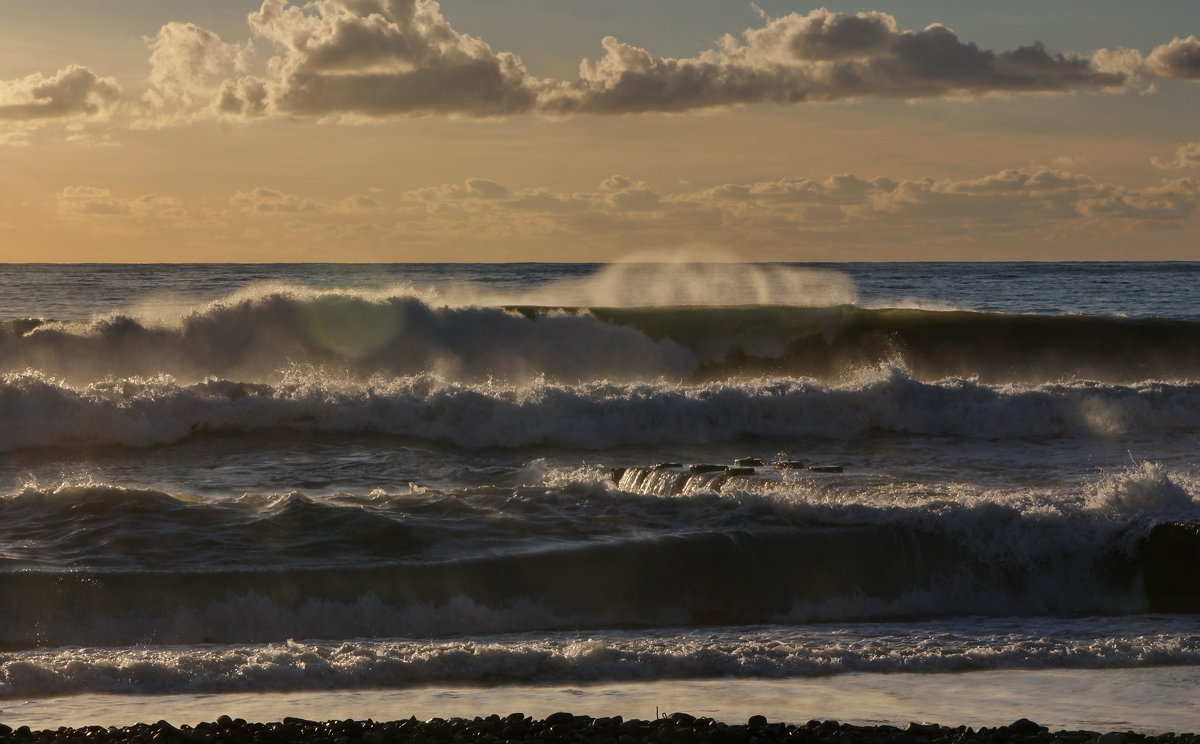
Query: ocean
{"points": [[968, 492]]}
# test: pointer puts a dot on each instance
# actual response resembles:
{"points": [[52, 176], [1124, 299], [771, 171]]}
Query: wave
{"points": [[432, 564], [107, 527], [253, 337], [764, 652], [42, 411], [931, 344]]}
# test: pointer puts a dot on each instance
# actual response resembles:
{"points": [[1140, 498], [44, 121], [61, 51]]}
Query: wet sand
{"points": [[1152, 701]]}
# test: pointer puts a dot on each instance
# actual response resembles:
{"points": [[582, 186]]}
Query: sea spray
{"points": [[1144, 488], [687, 278]]}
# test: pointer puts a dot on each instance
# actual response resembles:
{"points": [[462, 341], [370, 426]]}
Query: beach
{"points": [[563, 726], [1153, 701]]}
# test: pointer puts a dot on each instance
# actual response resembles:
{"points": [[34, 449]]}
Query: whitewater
{"points": [[332, 480]]}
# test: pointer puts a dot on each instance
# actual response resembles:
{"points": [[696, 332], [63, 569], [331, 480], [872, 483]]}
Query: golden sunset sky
{"points": [[564, 130]]}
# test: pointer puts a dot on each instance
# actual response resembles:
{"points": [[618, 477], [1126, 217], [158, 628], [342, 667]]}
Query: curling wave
{"points": [[255, 336]]}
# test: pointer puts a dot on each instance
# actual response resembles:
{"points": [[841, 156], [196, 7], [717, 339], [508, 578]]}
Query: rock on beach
{"points": [[516, 728]]}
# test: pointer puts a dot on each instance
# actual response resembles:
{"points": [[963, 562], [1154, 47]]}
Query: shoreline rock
{"points": [[517, 728]]}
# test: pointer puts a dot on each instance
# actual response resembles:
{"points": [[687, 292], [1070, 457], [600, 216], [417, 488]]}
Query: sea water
{"points": [[393, 490]]}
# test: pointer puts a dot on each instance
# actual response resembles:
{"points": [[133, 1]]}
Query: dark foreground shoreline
{"points": [[516, 728]]}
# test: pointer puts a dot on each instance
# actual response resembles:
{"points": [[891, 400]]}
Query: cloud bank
{"points": [[481, 217], [352, 60], [1007, 200], [348, 59], [821, 56]]}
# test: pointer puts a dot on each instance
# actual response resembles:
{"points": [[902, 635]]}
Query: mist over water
{"points": [[681, 280]]}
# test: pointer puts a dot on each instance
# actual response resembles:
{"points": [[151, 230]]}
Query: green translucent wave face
{"points": [[351, 327]]}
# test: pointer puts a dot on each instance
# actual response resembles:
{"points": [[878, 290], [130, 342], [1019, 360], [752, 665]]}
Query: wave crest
{"points": [[254, 335]]}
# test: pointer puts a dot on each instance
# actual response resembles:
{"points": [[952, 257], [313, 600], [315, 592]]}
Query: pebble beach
{"points": [[517, 728]]}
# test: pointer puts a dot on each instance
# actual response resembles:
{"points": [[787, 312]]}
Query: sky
{"points": [[573, 130]]}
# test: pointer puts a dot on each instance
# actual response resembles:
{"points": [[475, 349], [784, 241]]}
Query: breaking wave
{"points": [[427, 564], [767, 652], [254, 337], [42, 411]]}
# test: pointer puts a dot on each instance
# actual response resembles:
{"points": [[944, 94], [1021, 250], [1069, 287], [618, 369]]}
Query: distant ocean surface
{"points": [[273, 478]]}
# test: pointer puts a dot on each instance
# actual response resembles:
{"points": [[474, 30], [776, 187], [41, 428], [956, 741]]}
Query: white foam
{"points": [[1144, 488], [44, 411], [762, 652]]}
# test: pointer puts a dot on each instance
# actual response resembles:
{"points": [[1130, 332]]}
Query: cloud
{"points": [[73, 92], [376, 58], [842, 189], [545, 201], [1187, 155], [188, 69], [245, 98], [269, 201], [821, 56], [822, 35], [1010, 212], [1012, 197], [356, 59], [1177, 60], [1171, 201], [473, 188], [81, 202], [77, 201], [1024, 200], [357, 204], [627, 193], [1013, 201], [352, 60]]}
